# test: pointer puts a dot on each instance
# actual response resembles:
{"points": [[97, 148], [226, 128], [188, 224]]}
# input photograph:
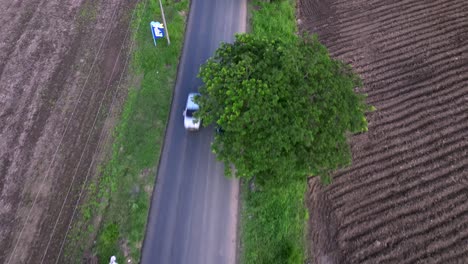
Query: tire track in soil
{"points": [[404, 199]]}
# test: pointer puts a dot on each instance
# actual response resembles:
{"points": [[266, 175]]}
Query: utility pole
{"points": [[165, 24]]}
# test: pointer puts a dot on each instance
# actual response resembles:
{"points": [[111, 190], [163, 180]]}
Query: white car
{"points": [[190, 122]]}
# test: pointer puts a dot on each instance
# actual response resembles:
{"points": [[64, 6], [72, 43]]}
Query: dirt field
{"points": [[59, 62], [405, 199]]}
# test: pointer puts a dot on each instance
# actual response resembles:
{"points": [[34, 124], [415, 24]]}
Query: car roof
{"points": [[190, 103]]}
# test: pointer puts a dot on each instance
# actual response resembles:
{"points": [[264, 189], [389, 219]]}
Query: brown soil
{"points": [[404, 199], [54, 74]]}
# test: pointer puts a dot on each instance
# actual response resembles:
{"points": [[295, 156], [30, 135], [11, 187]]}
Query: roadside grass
{"points": [[117, 205], [273, 222], [274, 216], [274, 19]]}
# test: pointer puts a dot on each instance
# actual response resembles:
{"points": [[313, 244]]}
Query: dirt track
{"points": [[404, 200], [56, 65]]}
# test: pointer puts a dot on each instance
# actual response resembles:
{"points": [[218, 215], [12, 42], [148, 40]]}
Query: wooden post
{"points": [[165, 24]]}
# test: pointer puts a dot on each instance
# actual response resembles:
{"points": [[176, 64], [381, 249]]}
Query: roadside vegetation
{"points": [[113, 218], [273, 218], [285, 108]]}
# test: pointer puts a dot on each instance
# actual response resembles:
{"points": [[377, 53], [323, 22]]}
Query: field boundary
{"points": [[403, 200], [127, 176]]}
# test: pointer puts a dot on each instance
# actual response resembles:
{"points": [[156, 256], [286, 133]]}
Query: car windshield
{"points": [[190, 112]]}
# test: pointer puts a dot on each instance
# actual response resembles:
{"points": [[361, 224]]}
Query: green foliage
{"points": [[273, 224], [274, 19], [274, 217], [108, 242], [285, 106]]}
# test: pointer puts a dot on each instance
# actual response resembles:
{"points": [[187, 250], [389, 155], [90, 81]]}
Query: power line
{"points": [[99, 140], [89, 137], [60, 143]]}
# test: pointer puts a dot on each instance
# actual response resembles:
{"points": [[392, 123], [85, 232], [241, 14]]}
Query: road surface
{"points": [[193, 215]]}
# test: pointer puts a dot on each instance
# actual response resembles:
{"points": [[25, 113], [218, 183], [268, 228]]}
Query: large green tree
{"points": [[286, 108]]}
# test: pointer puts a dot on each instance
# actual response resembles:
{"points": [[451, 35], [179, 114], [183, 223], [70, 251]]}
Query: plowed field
{"points": [[405, 198], [60, 67]]}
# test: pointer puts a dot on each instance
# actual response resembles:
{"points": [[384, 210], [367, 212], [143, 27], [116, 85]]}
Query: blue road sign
{"points": [[157, 30]]}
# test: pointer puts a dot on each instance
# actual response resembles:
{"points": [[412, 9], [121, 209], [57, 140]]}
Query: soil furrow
{"points": [[449, 132], [392, 192], [409, 129], [384, 61], [416, 90], [418, 17], [404, 198], [380, 14], [387, 183], [403, 46], [380, 207], [370, 228], [445, 234], [380, 254], [391, 64], [420, 110], [381, 156]]}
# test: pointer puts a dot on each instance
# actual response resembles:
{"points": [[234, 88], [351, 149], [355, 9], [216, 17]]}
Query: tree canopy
{"points": [[285, 108]]}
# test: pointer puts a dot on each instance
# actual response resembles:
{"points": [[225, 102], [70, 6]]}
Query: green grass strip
{"points": [[274, 19], [273, 220], [273, 216]]}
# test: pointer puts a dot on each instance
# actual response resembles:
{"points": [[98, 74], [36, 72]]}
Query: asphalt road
{"points": [[193, 215]]}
